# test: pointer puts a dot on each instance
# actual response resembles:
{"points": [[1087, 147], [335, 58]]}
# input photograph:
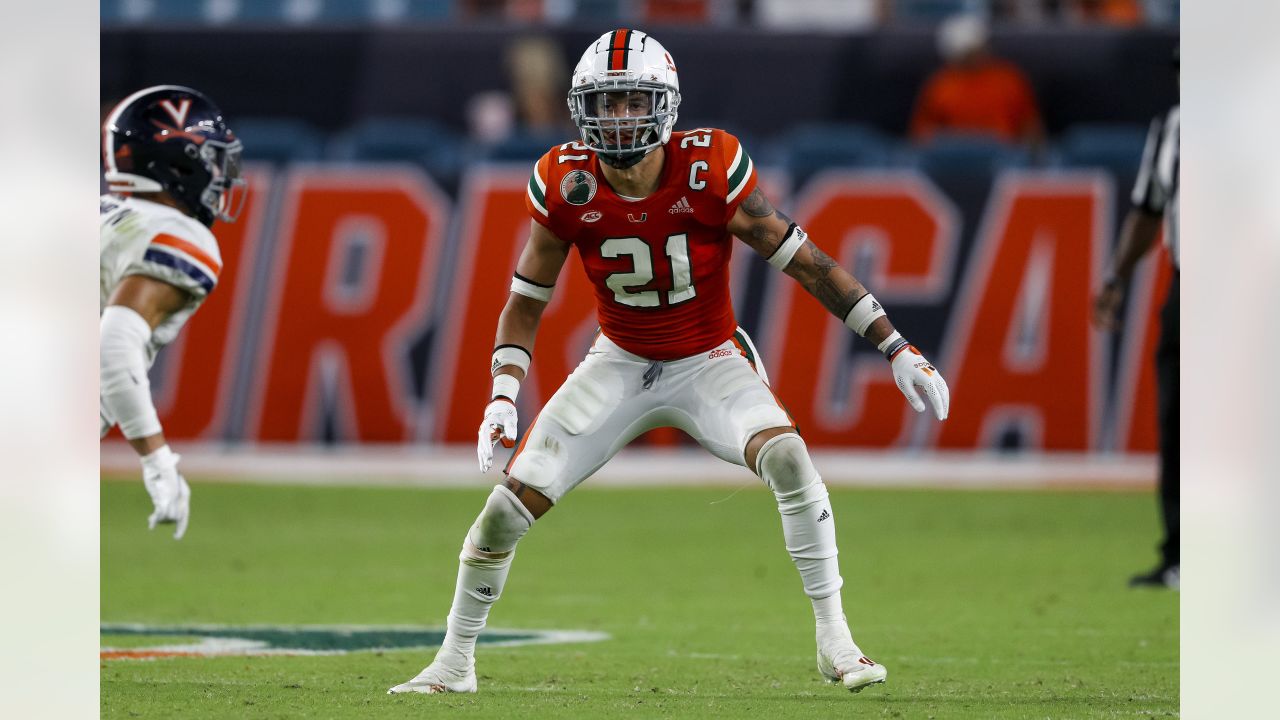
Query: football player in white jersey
{"points": [[172, 168]]}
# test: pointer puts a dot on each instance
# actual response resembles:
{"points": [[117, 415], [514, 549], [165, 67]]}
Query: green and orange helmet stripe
{"points": [[619, 49]]}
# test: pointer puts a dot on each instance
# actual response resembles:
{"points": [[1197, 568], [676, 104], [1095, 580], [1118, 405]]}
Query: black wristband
{"points": [[894, 347]]}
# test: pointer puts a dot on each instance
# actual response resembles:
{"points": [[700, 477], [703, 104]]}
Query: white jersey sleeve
{"points": [[139, 237]]}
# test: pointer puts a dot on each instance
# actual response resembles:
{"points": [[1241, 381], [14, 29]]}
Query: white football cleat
{"points": [[840, 660], [439, 678]]}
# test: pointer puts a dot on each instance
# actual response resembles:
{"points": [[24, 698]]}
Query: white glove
{"points": [[911, 371], [499, 425], [168, 490]]}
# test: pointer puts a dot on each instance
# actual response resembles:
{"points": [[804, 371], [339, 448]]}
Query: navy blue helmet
{"points": [[173, 139]]}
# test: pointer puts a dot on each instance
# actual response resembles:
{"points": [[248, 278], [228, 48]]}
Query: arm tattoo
{"points": [[757, 205], [761, 238], [820, 278]]}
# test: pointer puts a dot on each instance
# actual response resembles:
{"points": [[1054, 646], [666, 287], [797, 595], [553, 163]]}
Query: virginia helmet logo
{"points": [[177, 112]]}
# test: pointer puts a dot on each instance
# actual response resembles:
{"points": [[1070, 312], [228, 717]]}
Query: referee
{"points": [[1155, 198]]}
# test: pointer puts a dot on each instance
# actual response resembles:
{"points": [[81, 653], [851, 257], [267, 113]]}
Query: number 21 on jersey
{"points": [[677, 252]]}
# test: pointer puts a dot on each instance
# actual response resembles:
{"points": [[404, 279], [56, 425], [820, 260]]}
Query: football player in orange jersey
{"points": [[653, 215]]}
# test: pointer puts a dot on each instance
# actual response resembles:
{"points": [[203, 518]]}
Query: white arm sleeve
{"points": [[125, 392]]}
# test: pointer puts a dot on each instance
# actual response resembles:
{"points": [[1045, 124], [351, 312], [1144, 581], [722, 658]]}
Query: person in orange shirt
{"points": [[975, 92]]}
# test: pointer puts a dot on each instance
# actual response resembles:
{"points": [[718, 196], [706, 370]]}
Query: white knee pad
{"points": [[783, 462], [501, 524]]}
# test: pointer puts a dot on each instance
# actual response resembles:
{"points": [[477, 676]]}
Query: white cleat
{"points": [[840, 660], [439, 678]]}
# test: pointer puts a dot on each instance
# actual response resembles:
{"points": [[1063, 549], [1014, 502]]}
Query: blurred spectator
{"points": [[677, 11], [1106, 12], [500, 9], [1022, 11], [536, 70], [975, 91], [830, 15], [491, 117]]}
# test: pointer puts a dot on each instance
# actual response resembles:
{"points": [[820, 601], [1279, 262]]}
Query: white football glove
{"points": [[911, 371], [168, 490], [499, 425]]}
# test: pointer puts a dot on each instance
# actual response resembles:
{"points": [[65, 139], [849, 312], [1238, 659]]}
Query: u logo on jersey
{"points": [[578, 187]]}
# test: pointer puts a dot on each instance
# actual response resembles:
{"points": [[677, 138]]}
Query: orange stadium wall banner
{"points": [[359, 304]]}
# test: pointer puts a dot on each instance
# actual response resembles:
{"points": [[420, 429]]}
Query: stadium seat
{"points": [[522, 147], [278, 140], [1113, 147], [965, 166], [808, 149], [357, 11], [411, 10], [155, 12], [263, 12], [426, 143], [597, 10], [933, 10], [961, 153]]}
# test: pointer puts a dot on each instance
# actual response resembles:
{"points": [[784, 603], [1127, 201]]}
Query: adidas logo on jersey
{"points": [[485, 591], [824, 516], [681, 207]]}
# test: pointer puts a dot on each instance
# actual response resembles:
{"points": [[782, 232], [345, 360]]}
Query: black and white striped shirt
{"points": [[1156, 190]]}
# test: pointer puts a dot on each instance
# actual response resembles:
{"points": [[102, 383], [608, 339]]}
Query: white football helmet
{"points": [[624, 96]]}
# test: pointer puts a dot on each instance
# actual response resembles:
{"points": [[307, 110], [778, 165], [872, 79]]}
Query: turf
{"points": [[981, 604]]}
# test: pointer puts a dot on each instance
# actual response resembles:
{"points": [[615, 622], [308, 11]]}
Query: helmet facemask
{"points": [[623, 120], [225, 194]]}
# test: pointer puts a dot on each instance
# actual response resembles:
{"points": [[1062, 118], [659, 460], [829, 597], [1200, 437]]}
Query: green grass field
{"points": [[981, 604]]}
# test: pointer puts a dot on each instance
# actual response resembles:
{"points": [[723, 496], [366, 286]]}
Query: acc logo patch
{"points": [[578, 187], [591, 216], [148, 642]]}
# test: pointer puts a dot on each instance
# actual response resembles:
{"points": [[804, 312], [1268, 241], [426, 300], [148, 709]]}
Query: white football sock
{"points": [[482, 571], [808, 525], [828, 610]]}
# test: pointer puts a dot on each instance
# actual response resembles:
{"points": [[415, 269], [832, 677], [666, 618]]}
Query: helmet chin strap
{"points": [[622, 161]]}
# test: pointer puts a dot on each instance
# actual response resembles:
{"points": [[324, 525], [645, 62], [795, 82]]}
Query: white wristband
{"points": [[160, 459], [864, 312], [891, 345], [884, 344], [510, 355], [505, 385]]}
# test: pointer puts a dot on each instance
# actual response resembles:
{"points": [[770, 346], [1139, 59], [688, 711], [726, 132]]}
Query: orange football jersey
{"points": [[659, 265]]}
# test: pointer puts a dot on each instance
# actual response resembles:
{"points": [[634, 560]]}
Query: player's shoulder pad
{"points": [[560, 177], [739, 170], [732, 173]]}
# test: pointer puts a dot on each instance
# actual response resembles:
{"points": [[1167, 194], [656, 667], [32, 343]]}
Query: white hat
{"points": [[961, 34]]}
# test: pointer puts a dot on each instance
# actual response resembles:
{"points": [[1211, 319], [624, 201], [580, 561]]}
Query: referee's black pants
{"points": [[1167, 420]]}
